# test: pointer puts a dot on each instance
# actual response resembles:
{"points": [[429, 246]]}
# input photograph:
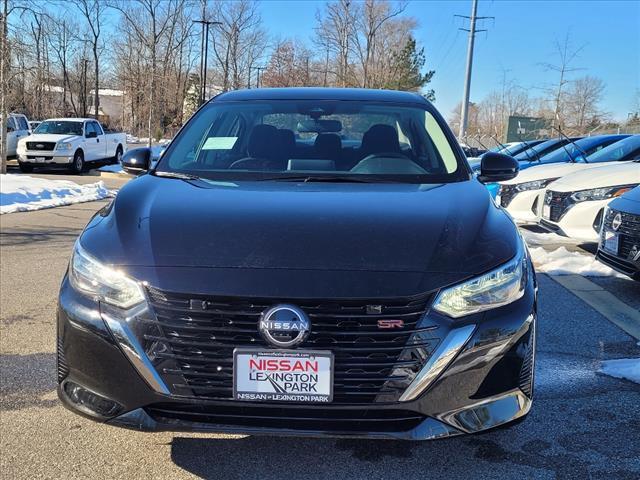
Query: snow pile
{"points": [[563, 262], [627, 368], [19, 193], [116, 168], [535, 239]]}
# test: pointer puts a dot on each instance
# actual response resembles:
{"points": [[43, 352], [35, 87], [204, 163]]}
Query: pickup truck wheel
{"points": [[25, 168], [118, 158], [78, 163]]}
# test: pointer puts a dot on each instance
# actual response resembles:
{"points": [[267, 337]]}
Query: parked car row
{"points": [[568, 192]]}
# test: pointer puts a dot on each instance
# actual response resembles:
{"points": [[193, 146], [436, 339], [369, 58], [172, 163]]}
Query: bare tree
{"points": [[239, 41], [582, 104], [335, 31], [370, 20], [93, 13], [566, 54]]}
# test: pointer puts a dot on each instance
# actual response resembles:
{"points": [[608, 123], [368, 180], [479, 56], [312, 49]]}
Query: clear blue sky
{"points": [[519, 39]]}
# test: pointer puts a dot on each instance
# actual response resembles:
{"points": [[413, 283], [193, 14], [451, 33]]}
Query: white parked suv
{"points": [[523, 197], [17, 128], [69, 142], [574, 205]]}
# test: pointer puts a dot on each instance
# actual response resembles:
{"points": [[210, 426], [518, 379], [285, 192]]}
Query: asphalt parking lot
{"points": [[583, 424]]}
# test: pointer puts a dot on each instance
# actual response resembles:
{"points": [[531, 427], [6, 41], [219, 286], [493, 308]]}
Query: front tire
{"points": [[77, 166], [25, 168]]}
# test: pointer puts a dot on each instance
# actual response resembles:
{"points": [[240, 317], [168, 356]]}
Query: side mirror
{"points": [[496, 167], [137, 160], [91, 135]]}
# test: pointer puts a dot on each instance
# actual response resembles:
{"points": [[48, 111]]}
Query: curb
{"points": [[603, 301]]}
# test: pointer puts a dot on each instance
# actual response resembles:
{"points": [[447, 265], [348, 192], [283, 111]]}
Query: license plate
{"points": [[39, 159], [546, 211], [610, 242], [282, 375]]}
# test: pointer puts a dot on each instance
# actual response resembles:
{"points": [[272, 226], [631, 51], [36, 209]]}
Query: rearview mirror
{"points": [[496, 167], [319, 126], [137, 160]]}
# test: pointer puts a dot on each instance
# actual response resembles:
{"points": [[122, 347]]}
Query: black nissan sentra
{"points": [[303, 262]]}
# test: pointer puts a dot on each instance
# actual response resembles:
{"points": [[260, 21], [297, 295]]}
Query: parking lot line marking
{"points": [[616, 311]]}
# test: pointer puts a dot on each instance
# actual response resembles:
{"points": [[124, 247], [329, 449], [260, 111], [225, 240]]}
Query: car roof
{"points": [[68, 119], [319, 93]]}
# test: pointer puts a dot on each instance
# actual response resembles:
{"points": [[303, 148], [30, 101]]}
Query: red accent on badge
{"points": [[386, 324]]}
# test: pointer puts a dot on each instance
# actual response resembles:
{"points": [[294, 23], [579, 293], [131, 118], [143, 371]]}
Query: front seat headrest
{"points": [[380, 138], [262, 141], [328, 146]]}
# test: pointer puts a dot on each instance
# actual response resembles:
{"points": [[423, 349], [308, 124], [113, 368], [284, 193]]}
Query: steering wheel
{"points": [[385, 155], [377, 164], [250, 164]]}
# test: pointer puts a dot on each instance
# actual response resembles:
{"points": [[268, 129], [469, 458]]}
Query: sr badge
{"points": [[284, 326]]}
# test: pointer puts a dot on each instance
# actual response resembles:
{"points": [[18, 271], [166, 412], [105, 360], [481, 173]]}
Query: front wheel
{"points": [[78, 163], [25, 168]]}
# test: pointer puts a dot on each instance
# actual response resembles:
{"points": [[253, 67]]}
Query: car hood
{"points": [[315, 237], [553, 170], [624, 173], [49, 137]]}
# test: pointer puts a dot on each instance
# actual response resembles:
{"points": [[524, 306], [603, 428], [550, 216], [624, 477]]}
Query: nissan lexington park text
{"points": [[303, 262]]}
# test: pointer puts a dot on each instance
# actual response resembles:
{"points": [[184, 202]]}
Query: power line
{"points": [[467, 82]]}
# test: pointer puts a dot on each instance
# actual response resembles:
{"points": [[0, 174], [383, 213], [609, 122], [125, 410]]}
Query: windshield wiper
{"points": [[181, 176], [328, 178]]}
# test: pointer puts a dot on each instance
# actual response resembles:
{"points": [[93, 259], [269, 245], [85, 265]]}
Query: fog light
{"points": [[87, 400]]}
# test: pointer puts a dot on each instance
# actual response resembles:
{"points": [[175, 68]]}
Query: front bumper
{"points": [[580, 221], [38, 157], [486, 383], [524, 206]]}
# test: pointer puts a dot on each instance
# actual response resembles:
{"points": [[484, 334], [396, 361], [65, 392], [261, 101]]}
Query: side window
{"points": [[97, 128], [88, 128], [23, 123], [11, 124]]}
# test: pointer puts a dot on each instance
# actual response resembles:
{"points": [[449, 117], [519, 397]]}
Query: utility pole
{"points": [[467, 82], [258, 69], [4, 72], [204, 53]]}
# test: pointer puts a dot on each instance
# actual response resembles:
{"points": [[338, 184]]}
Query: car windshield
{"points": [[60, 127], [627, 149], [313, 140], [575, 151], [535, 151]]}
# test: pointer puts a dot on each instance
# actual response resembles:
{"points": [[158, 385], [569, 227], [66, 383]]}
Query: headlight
{"points": [[64, 146], [494, 289], [600, 193], [106, 284], [535, 185]]}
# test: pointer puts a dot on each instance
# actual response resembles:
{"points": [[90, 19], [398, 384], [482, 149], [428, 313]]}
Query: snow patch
{"points": [[20, 193], [563, 262], [626, 368], [117, 168], [534, 239]]}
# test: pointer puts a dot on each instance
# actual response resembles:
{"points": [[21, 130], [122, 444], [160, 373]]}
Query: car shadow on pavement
{"points": [[32, 235], [28, 381]]}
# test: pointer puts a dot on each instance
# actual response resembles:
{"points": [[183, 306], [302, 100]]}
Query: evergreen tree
{"points": [[408, 70]]}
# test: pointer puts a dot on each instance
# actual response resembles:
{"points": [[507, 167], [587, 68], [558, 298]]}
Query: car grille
{"points": [[44, 146], [507, 192], [629, 231], [270, 416], [558, 203], [192, 349]]}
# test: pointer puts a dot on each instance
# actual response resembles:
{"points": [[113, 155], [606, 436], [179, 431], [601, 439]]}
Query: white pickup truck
{"points": [[69, 142]]}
